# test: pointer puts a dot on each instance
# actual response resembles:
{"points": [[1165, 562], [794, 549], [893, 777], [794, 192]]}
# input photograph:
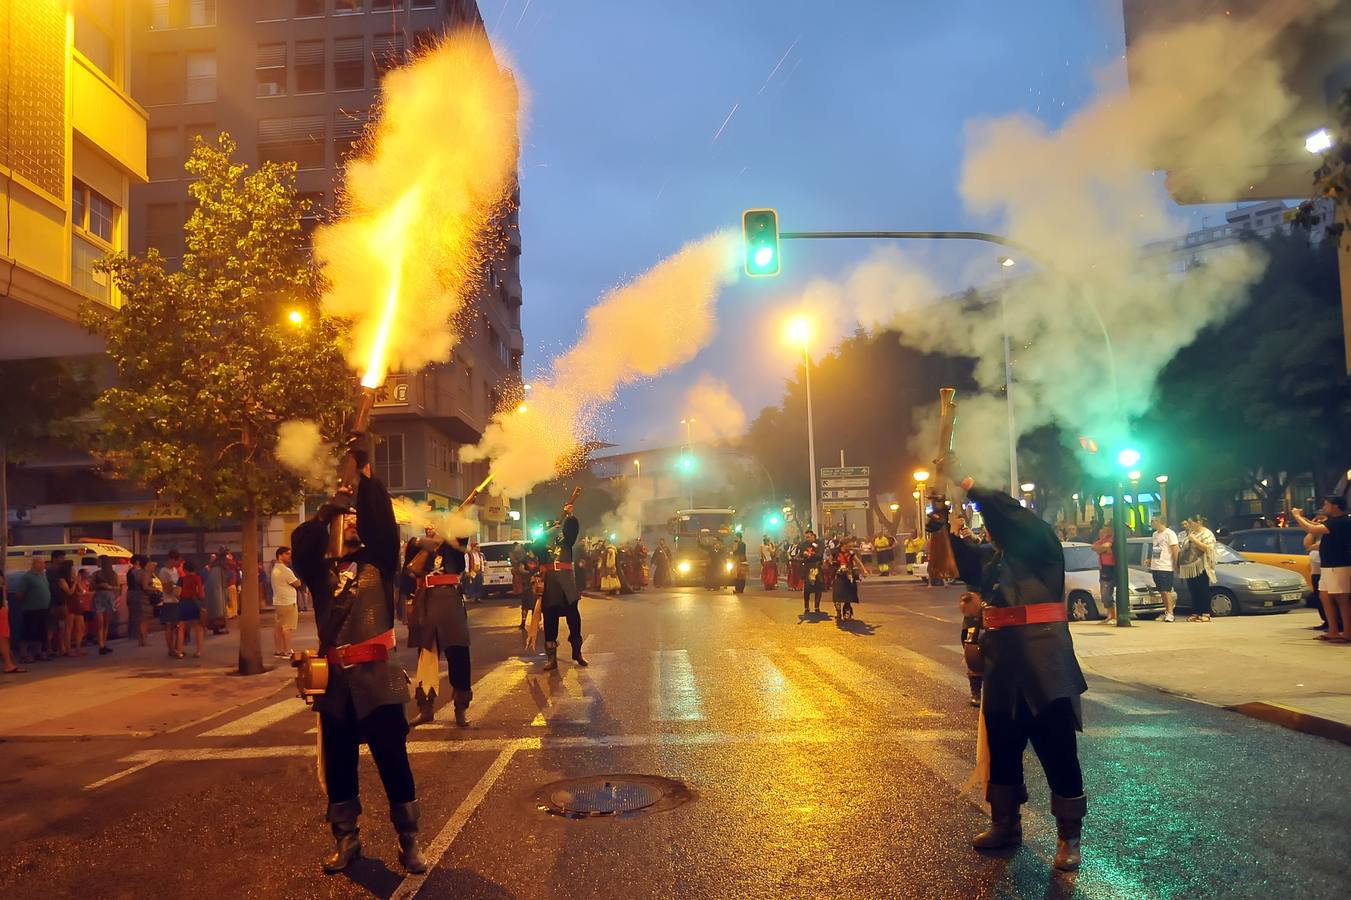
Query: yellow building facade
{"points": [[72, 142]]}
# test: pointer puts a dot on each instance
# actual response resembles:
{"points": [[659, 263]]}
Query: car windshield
{"points": [[1080, 559], [713, 523], [1224, 555], [495, 552]]}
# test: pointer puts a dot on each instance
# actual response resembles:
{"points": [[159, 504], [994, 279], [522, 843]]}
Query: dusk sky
{"points": [[847, 116]]}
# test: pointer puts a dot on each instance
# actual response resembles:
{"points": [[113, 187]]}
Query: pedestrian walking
{"points": [[363, 702], [285, 602], [561, 599], [769, 565], [972, 628], [1196, 564], [609, 570], [105, 602], [1032, 681], [1334, 555], [34, 595], [168, 606], [1163, 564], [138, 611], [1105, 548], [191, 609], [810, 554], [849, 570], [661, 565]]}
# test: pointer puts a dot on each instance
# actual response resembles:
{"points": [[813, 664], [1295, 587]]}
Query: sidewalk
{"points": [[137, 691], [1269, 667]]}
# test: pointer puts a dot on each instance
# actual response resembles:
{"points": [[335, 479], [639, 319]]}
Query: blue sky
{"points": [[860, 127]]}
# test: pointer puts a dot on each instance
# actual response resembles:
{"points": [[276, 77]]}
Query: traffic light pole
{"points": [[1120, 546]]}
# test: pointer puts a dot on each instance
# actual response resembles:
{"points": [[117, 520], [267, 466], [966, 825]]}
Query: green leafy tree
{"points": [[40, 403], [209, 364]]}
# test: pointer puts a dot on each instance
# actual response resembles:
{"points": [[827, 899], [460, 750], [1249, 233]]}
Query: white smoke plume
{"points": [[302, 449], [1093, 323], [653, 323], [417, 517], [626, 521], [716, 413], [438, 169]]}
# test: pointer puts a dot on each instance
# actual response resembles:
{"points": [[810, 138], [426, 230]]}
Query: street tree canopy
{"points": [[208, 363]]}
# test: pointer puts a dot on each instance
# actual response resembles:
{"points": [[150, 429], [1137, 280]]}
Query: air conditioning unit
{"points": [[269, 89]]}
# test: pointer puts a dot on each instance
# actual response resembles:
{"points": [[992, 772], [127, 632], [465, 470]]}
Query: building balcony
{"points": [[432, 395]]}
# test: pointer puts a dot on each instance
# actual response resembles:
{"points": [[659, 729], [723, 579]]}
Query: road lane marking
{"points": [[433, 852], [929, 668], [118, 776], [675, 696], [783, 699], [490, 688], [863, 682], [573, 698], [1127, 705], [256, 721]]}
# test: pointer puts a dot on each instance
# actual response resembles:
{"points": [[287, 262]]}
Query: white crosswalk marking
{"points": [[782, 697], [256, 721], [1130, 706], [490, 688], [574, 696], [675, 696], [929, 668], [862, 681]]}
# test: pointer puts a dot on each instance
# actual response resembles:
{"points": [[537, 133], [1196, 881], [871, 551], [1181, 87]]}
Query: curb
{"points": [[1295, 720]]}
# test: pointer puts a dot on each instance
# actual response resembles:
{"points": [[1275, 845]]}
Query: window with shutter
{"points": [[271, 70], [298, 139], [349, 64], [309, 62]]}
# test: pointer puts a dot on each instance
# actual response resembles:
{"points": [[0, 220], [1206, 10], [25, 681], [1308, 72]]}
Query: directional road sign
{"points": [[844, 482], [846, 494], [846, 472], [844, 504]]}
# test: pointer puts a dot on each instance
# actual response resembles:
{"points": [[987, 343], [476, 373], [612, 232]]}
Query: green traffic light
{"points": [[760, 233], [1128, 457], [775, 521], [687, 463]]}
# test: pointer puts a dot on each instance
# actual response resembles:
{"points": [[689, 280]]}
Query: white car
{"points": [[496, 567], [1083, 590]]}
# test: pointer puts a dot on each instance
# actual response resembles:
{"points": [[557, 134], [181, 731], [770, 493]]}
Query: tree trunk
{"points": [[250, 650]]}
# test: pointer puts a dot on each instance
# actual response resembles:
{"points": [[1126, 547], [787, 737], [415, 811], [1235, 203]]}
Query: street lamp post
{"points": [[799, 330], [1134, 479], [1029, 491], [921, 477], [688, 422], [1006, 263], [1163, 495]]}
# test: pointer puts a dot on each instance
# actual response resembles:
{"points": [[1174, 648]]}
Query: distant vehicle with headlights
{"points": [[693, 533]]}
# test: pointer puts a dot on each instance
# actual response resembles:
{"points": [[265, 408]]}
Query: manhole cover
{"points": [[610, 795]]}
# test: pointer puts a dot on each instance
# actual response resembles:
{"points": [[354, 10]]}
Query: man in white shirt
{"points": [[1163, 563], [284, 584]]}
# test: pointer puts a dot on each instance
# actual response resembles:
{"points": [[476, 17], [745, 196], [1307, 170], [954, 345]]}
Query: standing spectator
{"points": [[105, 602], [1334, 555], [138, 618], [232, 585], [168, 607], [191, 614], [284, 602], [66, 615], [35, 598], [1316, 571], [56, 612], [473, 562], [1106, 572], [1163, 564], [217, 579], [1197, 565], [5, 630]]}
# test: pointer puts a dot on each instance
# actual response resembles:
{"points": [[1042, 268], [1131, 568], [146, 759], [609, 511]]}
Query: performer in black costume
{"points": [[439, 623], [560, 588], [810, 553], [1032, 681], [367, 690]]}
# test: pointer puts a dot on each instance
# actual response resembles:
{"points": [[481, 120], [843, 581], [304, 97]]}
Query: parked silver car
{"points": [[1083, 589], [1241, 585]]}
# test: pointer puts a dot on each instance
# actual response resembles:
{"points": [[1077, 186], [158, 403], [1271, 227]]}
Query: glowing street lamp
{"points": [[1319, 141], [798, 331], [1163, 495], [296, 317]]}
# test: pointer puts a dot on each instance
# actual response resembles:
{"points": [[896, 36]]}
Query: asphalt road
{"points": [[821, 759]]}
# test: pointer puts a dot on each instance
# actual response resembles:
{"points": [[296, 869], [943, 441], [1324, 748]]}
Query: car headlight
{"points": [[683, 567], [727, 567], [1259, 585]]}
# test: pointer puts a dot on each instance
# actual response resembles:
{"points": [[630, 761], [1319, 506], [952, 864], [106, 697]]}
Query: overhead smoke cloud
{"points": [[1092, 322], [418, 207], [302, 449], [653, 323], [418, 517], [626, 521], [716, 413]]}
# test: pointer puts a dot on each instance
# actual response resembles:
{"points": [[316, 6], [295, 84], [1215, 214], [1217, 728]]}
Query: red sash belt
{"points": [[1034, 614], [442, 578], [374, 649], [556, 567]]}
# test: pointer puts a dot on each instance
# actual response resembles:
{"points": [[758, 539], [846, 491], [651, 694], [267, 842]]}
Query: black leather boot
{"points": [[461, 697], [1069, 821], [551, 651], [342, 820], [577, 653], [426, 711], [405, 816], [1006, 823]]}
